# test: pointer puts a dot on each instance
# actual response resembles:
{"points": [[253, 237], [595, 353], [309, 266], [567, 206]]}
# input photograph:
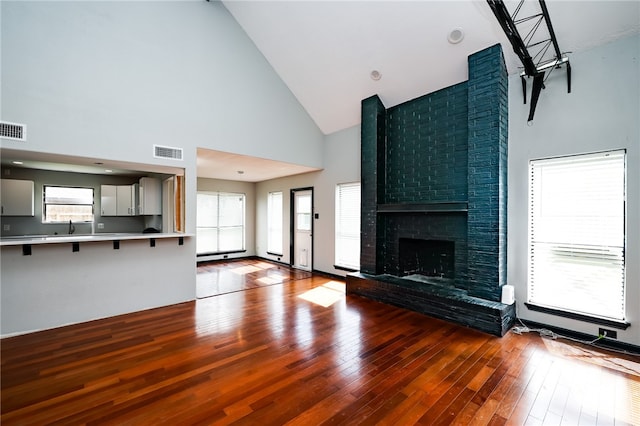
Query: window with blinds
{"points": [[274, 223], [577, 234], [347, 238], [220, 222]]}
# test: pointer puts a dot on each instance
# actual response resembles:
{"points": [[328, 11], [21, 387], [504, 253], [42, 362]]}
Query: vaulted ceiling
{"points": [[325, 51]]}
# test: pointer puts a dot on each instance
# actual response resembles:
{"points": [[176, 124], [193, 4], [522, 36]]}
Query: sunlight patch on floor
{"points": [[600, 358], [617, 397], [269, 280], [264, 265], [244, 270], [326, 294]]}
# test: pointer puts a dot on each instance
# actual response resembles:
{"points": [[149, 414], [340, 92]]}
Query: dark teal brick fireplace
{"points": [[434, 169]]}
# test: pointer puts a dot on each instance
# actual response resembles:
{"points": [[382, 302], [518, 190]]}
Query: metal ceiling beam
{"points": [[534, 55]]}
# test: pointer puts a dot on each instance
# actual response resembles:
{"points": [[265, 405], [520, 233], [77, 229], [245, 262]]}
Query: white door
{"points": [[302, 229]]}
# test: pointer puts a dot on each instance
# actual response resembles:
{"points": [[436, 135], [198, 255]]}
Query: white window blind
{"points": [[347, 238], [220, 222], [577, 234], [274, 223]]}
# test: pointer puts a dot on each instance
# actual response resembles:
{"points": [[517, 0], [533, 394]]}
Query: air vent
{"points": [[13, 131], [167, 152]]}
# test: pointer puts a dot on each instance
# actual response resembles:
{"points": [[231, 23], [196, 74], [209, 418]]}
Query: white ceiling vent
{"points": [[15, 131], [167, 152]]}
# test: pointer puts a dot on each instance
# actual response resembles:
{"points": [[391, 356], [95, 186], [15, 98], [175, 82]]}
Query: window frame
{"points": [[341, 234], [615, 319], [46, 203], [275, 248], [218, 227]]}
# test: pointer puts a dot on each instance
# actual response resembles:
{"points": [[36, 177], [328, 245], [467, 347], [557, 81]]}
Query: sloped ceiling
{"points": [[227, 166], [325, 50]]}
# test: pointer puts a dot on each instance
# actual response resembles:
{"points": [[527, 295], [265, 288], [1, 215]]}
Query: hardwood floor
{"points": [[301, 353], [221, 277]]}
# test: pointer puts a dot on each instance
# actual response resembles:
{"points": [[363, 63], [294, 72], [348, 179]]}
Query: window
{"points": [[577, 234], [64, 204], [348, 225], [303, 212], [274, 223], [220, 222]]}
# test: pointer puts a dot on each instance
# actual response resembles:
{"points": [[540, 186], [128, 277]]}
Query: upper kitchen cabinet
{"points": [[118, 200], [108, 200], [17, 197], [150, 196], [126, 200]]}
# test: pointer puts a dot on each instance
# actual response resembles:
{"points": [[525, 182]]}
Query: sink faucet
{"points": [[72, 228]]}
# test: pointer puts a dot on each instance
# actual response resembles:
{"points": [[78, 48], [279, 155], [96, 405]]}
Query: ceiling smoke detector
{"points": [[455, 36], [375, 75]]}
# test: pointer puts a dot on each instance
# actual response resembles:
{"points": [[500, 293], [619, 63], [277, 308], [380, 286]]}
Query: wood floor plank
{"points": [[263, 355]]}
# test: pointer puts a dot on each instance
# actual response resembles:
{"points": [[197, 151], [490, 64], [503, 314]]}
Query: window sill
{"points": [[345, 268], [620, 325], [217, 253]]}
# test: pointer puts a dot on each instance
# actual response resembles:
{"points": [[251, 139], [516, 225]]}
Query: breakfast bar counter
{"points": [[83, 238]]}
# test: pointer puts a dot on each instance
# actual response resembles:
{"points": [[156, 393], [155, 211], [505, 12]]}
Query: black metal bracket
{"points": [[534, 49]]}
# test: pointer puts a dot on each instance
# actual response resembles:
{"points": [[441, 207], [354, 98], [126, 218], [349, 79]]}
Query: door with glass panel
{"points": [[302, 229]]}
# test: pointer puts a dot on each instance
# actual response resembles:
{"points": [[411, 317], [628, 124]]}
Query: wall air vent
{"points": [[15, 131], [167, 152]]}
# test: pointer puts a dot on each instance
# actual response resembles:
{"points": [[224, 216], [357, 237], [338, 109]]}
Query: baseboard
{"points": [[602, 343], [266, 259]]}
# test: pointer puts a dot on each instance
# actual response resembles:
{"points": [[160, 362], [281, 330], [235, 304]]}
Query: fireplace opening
{"points": [[430, 258]]}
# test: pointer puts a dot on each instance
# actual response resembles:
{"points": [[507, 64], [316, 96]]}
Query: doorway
{"points": [[302, 228]]}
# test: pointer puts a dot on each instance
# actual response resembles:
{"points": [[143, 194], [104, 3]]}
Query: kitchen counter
{"points": [[50, 281], [82, 238]]}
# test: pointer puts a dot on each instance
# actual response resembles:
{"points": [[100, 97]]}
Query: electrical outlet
{"points": [[100, 225], [611, 334], [6, 227]]}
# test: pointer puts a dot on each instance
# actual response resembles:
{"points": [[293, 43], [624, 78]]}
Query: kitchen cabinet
{"points": [[108, 200], [126, 200], [17, 197], [118, 200], [150, 196]]}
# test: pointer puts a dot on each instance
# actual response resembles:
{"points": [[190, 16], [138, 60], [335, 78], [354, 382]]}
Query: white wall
{"points": [[111, 79], [55, 286], [601, 113], [249, 190], [108, 80], [342, 165]]}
